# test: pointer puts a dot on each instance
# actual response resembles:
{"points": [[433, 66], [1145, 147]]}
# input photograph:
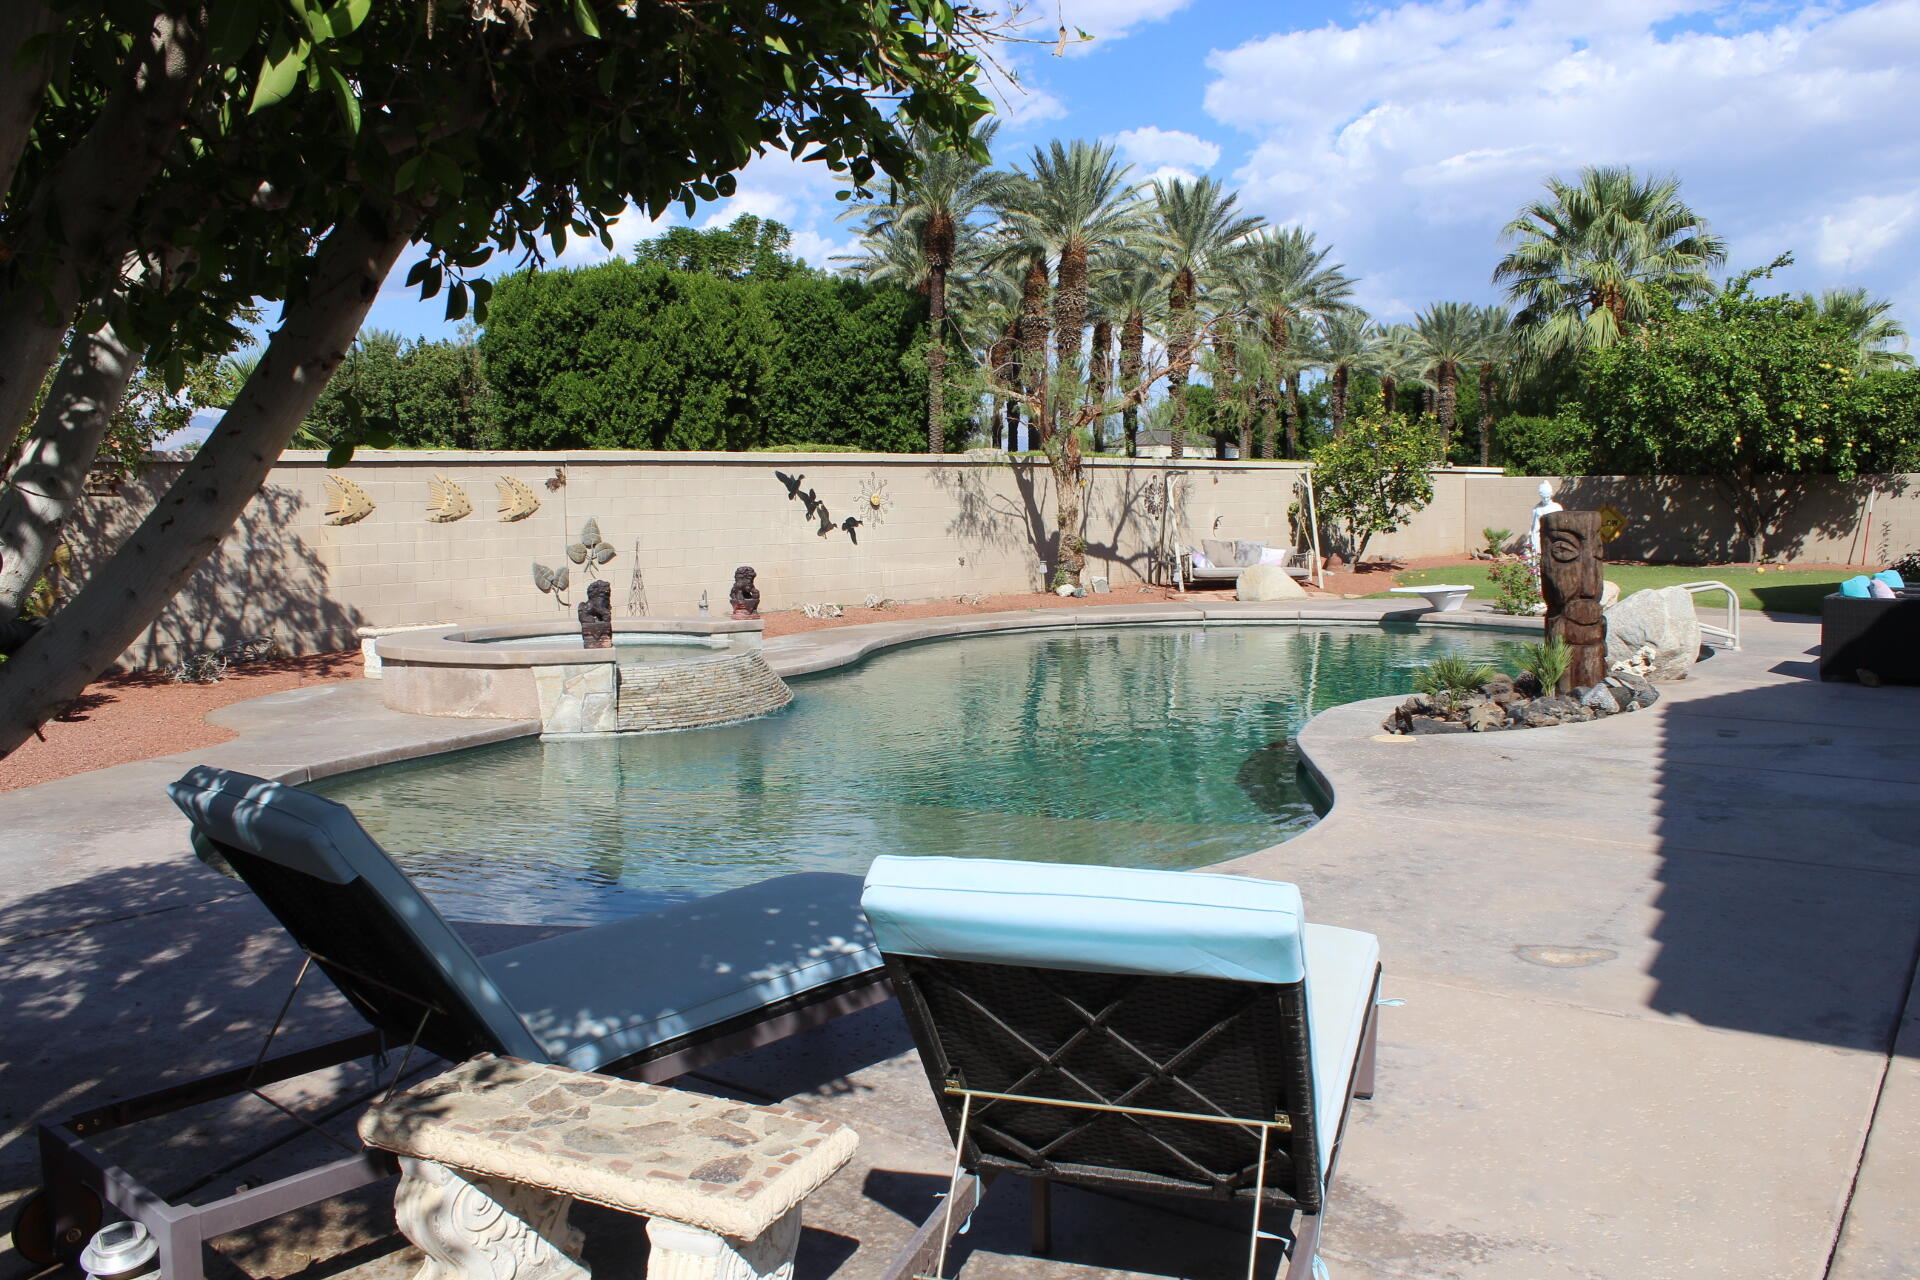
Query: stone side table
{"points": [[494, 1152]]}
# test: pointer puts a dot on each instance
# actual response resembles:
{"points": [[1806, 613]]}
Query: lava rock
{"points": [[1638, 691], [1606, 699], [1488, 715], [1528, 684], [1427, 725]]}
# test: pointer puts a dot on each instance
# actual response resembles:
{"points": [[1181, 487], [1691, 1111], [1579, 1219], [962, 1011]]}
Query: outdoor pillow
{"points": [[1880, 590], [1276, 556], [1246, 554], [1892, 578], [1200, 561], [1220, 553], [1856, 588]]}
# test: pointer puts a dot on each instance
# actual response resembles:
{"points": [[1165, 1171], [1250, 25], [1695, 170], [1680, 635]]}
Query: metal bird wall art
{"points": [[826, 519], [848, 526], [815, 509], [792, 483]]}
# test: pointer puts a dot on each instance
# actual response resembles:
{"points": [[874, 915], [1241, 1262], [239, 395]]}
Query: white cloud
{"points": [[1167, 149], [819, 251], [1410, 137], [1110, 19]]}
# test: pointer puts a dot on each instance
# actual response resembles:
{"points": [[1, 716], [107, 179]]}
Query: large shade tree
{"points": [[164, 165], [1587, 260]]}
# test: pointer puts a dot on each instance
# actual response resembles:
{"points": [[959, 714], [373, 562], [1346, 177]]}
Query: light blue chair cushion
{"points": [[1094, 919], [1135, 920], [600, 994], [1892, 578], [1857, 588], [321, 838]]}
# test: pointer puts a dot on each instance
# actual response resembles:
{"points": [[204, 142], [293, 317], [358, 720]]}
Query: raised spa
{"points": [[661, 673]]}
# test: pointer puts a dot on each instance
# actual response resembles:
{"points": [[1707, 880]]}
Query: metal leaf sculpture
{"points": [[590, 551], [516, 500], [602, 553], [347, 502], [447, 501], [551, 581]]}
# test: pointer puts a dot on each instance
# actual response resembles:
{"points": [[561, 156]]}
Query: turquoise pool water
{"points": [[1162, 747]]}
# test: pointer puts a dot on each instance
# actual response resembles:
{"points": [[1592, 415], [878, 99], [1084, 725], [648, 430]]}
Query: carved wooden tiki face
{"points": [[1570, 574]]}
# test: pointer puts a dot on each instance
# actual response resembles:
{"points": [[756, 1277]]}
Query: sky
{"points": [[1406, 136]]}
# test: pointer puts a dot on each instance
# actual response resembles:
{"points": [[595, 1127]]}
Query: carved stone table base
{"points": [[479, 1228], [681, 1252]]}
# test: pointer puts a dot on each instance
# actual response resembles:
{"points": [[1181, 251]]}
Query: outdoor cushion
{"points": [[598, 995], [1246, 554], [1094, 919], [1200, 561], [1276, 556], [1879, 590], [1892, 578], [1340, 969], [1856, 588]]}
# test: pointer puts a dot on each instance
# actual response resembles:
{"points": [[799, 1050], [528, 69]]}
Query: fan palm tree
{"points": [[1348, 343], [1586, 260], [949, 187], [1495, 351], [1071, 205], [1873, 331], [1447, 339], [1199, 232], [1287, 284]]}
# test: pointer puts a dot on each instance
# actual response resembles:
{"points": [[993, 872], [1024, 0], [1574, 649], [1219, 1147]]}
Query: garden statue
{"points": [[745, 597], [596, 615], [1570, 582], [1546, 508]]}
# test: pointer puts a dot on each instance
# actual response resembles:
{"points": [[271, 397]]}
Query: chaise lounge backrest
{"points": [[1115, 987], [349, 907]]}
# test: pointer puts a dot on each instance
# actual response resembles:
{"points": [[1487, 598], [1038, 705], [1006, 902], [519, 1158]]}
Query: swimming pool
{"points": [[1147, 746]]}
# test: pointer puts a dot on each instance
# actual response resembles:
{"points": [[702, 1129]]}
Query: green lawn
{"points": [[1778, 590]]}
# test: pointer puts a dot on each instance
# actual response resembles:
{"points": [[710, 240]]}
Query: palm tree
{"points": [[1496, 349], [1398, 360], [1074, 205], [949, 187], [1872, 331], [1447, 337], [1132, 297], [1587, 259], [1198, 232], [1287, 284], [1349, 343]]}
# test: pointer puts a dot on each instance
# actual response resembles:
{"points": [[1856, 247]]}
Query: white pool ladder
{"points": [[1730, 633]]}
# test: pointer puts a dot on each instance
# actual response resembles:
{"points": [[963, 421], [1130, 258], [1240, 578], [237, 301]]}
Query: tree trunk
{"points": [[53, 466], [1179, 353], [1070, 308], [1449, 398], [1486, 414], [1100, 378], [1268, 399], [1294, 415], [1426, 401], [1133, 342], [1072, 557], [936, 361], [126, 593], [1389, 391], [78, 226], [21, 83], [1033, 352], [1337, 400]]}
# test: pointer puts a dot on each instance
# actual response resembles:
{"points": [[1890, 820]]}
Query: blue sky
{"points": [[1405, 136]]}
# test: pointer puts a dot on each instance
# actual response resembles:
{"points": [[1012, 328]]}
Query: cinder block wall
{"points": [[945, 526]]}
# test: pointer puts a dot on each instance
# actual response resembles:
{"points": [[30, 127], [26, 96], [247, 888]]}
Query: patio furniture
{"points": [[1213, 561], [494, 1152], [1440, 597], [1126, 1029], [1874, 635], [651, 996]]}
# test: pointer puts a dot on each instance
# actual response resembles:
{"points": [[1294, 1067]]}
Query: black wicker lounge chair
{"points": [[1134, 1030], [649, 997]]}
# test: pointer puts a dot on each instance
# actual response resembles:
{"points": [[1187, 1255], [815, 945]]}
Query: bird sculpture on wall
{"points": [[811, 501], [792, 483], [849, 525], [826, 519]]}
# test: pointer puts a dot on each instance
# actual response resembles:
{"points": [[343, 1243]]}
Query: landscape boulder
{"points": [[1268, 582], [1654, 634]]}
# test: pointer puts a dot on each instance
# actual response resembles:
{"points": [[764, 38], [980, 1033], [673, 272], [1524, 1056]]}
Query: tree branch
{"points": [[21, 82]]}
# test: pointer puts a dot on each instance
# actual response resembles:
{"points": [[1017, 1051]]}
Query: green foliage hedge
{"points": [[623, 356]]}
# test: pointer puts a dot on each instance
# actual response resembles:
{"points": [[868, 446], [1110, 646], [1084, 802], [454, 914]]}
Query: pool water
{"points": [[1144, 746]]}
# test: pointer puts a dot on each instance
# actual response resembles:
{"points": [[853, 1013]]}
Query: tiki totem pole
{"points": [[1570, 582]]}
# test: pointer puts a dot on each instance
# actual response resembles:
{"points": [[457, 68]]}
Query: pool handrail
{"points": [[1730, 633]]}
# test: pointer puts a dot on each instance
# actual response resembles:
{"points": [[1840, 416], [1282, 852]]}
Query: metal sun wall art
{"points": [[347, 502]]}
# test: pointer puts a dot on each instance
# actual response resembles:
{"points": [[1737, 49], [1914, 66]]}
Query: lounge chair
{"points": [[650, 997], [1133, 1030]]}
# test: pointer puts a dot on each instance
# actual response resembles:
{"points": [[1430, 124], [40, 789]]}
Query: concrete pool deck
{"points": [[1658, 973]]}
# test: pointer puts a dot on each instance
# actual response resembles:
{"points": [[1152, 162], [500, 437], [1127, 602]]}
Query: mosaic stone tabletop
{"points": [[723, 1166]]}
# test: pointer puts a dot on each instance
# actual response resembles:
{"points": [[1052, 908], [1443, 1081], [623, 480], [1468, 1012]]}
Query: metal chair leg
{"points": [[1369, 1044], [1305, 1253]]}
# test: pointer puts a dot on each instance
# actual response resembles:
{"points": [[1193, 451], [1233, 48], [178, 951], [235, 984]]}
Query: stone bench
{"points": [[370, 656], [494, 1152]]}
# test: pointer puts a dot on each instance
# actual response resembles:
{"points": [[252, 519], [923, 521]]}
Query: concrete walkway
{"points": [[1655, 968]]}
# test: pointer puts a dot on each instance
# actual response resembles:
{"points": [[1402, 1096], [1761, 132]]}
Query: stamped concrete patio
{"points": [[1658, 973]]}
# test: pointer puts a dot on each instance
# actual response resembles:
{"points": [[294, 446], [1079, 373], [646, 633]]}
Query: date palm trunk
{"points": [[936, 242], [1486, 414], [1133, 341], [1337, 400], [1296, 415], [1447, 398], [1267, 398], [1180, 356], [1033, 351], [1100, 378]]}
